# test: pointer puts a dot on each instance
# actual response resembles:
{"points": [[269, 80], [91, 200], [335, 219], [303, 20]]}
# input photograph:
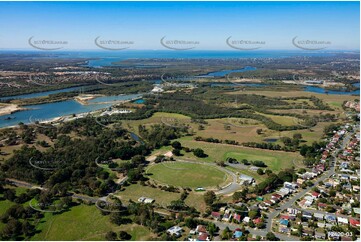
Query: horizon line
{"points": [[180, 51]]}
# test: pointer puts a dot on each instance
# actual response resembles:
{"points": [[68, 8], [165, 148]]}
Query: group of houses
{"points": [[287, 189], [226, 214], [290, 220], [200, 233]]}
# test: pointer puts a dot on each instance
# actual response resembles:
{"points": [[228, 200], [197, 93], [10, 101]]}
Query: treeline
{"points": [[213, 140], [264, 145]]}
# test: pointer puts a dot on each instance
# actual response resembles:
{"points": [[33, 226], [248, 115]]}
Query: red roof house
{"points": [[354, 222]]}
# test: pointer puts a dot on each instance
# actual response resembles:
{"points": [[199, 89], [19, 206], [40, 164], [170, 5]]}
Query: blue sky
{"points": [[209, 23]]}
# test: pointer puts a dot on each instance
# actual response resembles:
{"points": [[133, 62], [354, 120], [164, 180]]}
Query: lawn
{"points": [[138, 232], [283, 120], [196, 200], [276, 160], [240, 130], [273, 163], [136, 191], [157, 118], [161, 197], [83, 222], [187, 174], [4, 205]]}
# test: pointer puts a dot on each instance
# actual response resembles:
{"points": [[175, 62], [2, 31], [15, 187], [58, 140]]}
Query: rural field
{"points": [[187, 174], [157, 118], [83, 222], [239, 129], [275, 160], [335, 101], [135, 191]]}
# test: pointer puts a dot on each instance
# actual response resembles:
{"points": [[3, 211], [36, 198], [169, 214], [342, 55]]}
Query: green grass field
{"points": [[4, 205], [187, 174], [161, 197], [138, 232], [82, 222], [135, 191], [158, 118], [283, 120], [273, 163], [275, 160]]}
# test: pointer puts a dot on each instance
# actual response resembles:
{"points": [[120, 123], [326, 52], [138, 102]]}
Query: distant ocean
{"points": [[106, 58]]}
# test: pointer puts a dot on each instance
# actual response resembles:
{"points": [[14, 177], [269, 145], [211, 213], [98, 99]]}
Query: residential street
{"points": [[294, 198]]}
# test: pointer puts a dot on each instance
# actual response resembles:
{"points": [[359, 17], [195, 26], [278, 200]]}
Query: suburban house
{"points": [[145, 200], [175, 230], [237, 234], [318, 216], [307, 215], [216, 215], [354, 222], [237, 217], [227, 217], [289, 185], [342, 220], [246, 180], [284, 222], [330, 218], [315, 195]]}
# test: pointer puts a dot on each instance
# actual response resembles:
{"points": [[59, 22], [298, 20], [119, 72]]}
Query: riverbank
{"points": [[84, 98], [6, 109]]}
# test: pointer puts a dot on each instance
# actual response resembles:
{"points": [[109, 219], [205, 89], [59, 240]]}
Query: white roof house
{"points": [[175, 230], [244, 179], [141, 199], [246, 219], [290, 185], [309, 198], [284, 191], [318, 215], [149, 200], [145, 200], [342, 220]]}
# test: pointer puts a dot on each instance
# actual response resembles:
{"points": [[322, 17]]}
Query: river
{"points": [[47, 111]]}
